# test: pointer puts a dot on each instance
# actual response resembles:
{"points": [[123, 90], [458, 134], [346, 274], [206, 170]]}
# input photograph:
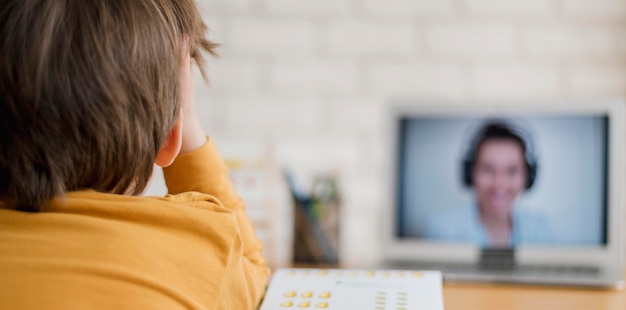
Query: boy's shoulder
{"points": [[196, 210]]}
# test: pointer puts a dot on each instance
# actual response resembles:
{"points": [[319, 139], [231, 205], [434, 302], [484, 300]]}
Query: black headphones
{"points": [[500, 130]]}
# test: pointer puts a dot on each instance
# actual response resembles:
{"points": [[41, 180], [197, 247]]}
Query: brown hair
{"points": [[89, 90]]}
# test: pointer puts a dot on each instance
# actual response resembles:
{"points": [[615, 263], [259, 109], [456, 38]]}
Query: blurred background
{"points": [[304, 86]]}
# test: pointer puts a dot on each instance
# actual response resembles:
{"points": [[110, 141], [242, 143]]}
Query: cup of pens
{"points": [[316, 223]]}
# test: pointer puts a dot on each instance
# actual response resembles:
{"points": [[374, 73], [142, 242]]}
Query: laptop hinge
{"points": [[497, 259]]}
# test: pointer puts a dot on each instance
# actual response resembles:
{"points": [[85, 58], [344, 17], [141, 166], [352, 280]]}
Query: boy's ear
{"points": [[171, 146]]}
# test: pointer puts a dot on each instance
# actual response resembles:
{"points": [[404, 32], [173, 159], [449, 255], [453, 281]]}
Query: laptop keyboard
{"points": [[563, 270], [530, 270]]}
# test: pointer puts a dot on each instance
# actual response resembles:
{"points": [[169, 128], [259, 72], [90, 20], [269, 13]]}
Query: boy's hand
{"points": [[193, 134]]}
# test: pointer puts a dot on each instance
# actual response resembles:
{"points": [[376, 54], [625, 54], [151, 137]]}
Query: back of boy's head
{"points": [[89, 90]]}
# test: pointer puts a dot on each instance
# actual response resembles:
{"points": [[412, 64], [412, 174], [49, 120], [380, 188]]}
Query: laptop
{"points": [[525, 192]]}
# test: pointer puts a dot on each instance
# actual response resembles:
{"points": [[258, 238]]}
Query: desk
{"points": [[513, 297]]}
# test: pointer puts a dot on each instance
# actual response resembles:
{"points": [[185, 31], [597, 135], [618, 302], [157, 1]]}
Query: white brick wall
{"points": [[312, 79], [224, 7], [356, 116], [596, 9], [359, 38], [598, 80], [256, 115], [320, 155], [571, 42], [217, 28], [510, 8], [621, 37], [359, 229], [228, 74], [417, 79], [477, 40], [308, 7], [408, 8], [514, 81], [269, 37]]}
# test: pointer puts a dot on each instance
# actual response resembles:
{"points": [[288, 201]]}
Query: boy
{"points": [[92, 94]]}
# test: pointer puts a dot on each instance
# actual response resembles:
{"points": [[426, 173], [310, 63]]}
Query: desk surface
{"points": [[512, 297], [477, 296]]}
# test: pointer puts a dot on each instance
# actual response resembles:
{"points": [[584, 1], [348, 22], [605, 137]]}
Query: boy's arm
{"points": [[200, 168], [203, 170]]}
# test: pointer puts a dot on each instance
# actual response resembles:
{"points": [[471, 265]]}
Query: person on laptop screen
{"points": [[499, 166]]}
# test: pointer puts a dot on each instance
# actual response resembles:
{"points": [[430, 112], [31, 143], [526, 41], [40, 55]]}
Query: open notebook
{"points": [[345, 289]]}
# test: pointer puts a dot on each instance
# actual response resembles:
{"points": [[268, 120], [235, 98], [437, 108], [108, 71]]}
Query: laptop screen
{"points": [[504, 181]]}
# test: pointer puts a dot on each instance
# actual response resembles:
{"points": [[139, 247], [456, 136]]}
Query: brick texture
{"points": [[508, 8], [596, 9], [514, 81], [477, 40], [316, 77], [308, 7], [421, 8], [596, 80], [360, 38], [419, 79], [269, 37], [570, 42]]}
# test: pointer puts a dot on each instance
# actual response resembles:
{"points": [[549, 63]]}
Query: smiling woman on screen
{"points": [[499, 166]]}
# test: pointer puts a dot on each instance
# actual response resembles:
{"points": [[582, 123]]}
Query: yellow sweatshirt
{"points": [[194, 249]]}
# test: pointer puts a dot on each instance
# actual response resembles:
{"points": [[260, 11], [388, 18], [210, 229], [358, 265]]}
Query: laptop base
{"points": [[578, 276]]}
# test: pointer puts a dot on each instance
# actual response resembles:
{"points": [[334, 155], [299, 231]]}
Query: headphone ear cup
{"points": [[467, 173], [532, 175]]}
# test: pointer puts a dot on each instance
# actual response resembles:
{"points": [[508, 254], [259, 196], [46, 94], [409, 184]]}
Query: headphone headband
{"points": [[494, 129]]}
